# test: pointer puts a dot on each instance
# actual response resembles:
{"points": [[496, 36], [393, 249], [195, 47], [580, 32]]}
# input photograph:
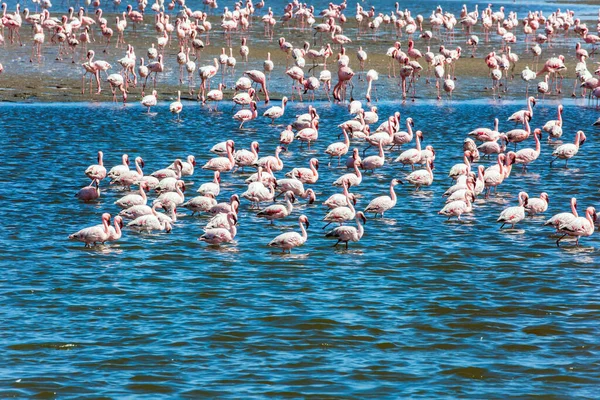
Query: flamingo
{"points": [[93, 234], [216, 236], [129, 177], [338, 149], [289, 240], [202, 203], [90, 192], [421, 177], [259, 77], [521, 115], [411, 156], [341, 214], [339, 199], [278, 211], [246, 115], [579, 226], [206, 73], [516, 214], [372, 75], [345, 234], [276, 112], [222, 164], [97, 171], [529, 155], [244, 158], [150, 222], [518, 135], [351, 179], [554, 126], [561, 218], [131, 200], [569, 150], [150, 100], [176, 106], [306, 175], [537, 205], [117, 170], [381, 204], [459, 207], [213, 187]]}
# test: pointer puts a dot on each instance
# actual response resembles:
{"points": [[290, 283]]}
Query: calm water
{"points": [[419, 307]]}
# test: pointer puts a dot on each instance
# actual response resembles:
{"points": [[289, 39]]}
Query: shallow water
{"points": [[419, 307]]}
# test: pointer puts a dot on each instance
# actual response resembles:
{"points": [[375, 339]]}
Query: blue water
{"points": [[419, 307]]}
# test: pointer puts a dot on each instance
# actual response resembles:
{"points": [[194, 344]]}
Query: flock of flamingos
{"points": [[273, 195]]}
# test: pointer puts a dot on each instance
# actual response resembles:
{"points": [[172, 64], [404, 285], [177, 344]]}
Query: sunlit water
{"points": [[419, 307]]}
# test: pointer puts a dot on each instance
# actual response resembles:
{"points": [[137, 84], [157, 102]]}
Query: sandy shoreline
{"points": [[60, 81]]}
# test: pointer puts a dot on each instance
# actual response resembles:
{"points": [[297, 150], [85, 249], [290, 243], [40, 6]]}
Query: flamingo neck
{"points": [[574, 208], [418, 143], [304, 234], [360, 229], [393, 193], [117, 229]]}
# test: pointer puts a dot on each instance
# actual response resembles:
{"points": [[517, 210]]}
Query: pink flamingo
{"points": [[456, 208], [562, 218], [90, 192], [529, 155], [518, 135], [206, 73], [213, 187], [554, 66], [289, 240], [345, 75], [278, 211], [150, 100], [381, 204], [578, 227], [338, 149], [569, 150], [244, 116], [217, 236], [537, 205], [259, 77], [131, 200], [341, 214], [244, 158], [93, 234], [276, 112], [310, 134], [97, 171], [95, 67], [306, 175], [216, 95], [516, 214], [345, 233], [222, 164]]}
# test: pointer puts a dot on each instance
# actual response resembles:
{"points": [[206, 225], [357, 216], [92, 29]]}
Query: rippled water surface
{"points": [[419, 307]]}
